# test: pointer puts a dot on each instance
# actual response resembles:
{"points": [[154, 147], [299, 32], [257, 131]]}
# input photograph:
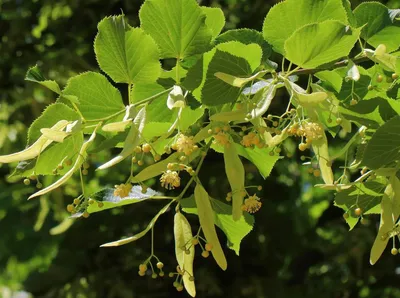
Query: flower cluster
{"points": [[170, 179], [310, 130], [251, 139], [185, 144], [122, 190], [252, 204], [221, 138]]}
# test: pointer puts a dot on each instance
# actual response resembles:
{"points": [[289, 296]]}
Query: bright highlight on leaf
{"points": [[126, 54], [305, 49], [287, 16], [183, 33]]}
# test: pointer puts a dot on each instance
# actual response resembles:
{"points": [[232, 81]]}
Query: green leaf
{"points": [[246, 36], [363, 195], [97, 97], [235, 59], [178, 27], [142, 233], [215, 19], [305, 49], [189, 117], [109, 200], [378, 26], [235, 231], [287, 16], [50, 116], [350, 15], [157, 110], [362, 115], [384, 146], [331, 78], [357, 86], [35, 75], [127, 55], [183, 237], [155, 129], [206, 217]]}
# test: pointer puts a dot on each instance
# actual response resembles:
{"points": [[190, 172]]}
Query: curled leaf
{"points": [[183, 236], [131, 141], [206, 217], [235, 172], [78, 162], [352, 73], [176, 98], [263, 99], [34, 150]]}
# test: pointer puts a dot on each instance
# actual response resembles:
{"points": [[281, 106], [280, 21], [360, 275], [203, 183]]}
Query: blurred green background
{"points": [[300, 246]]}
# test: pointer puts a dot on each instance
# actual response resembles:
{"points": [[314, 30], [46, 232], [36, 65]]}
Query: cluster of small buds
{"points": [[196, 241], [85, 168], [179, 278], [141, 150], [252, 204], [143, 268], [315, 172], [122, 190], [170, 179], [185, 144], [252, 139], [80, 204], [27, 181]]}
